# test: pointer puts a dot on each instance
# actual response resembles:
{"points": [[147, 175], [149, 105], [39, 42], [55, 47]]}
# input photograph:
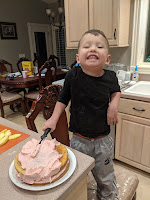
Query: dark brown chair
{"points": [[19, 63], [19, 66], [37, 61], [7, 98], [54, 58], [5, 66], [50, 75], [46, 102], [71, 66]]}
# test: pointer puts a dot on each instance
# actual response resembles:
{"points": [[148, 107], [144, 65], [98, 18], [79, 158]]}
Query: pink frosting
{"points": [[41, 161]]}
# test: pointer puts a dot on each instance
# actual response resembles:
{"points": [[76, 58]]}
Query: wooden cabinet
{"points": [[133, 134], [110, 16], [76, 19]]}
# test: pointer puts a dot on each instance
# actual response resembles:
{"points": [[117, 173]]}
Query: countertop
{"points": [[142, 77], [8, 190], [134, 96]]}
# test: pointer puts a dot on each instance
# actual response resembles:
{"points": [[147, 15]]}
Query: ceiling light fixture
{"points": [[59, 20]]}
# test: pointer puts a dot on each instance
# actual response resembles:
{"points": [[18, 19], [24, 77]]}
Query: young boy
{"points": [[94, 94]]}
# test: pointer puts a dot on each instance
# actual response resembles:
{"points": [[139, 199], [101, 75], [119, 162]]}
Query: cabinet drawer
{"points": [[132, 107]]}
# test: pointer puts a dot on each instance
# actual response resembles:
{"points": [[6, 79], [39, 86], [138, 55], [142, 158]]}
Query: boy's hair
{"points": [[95, 32]]}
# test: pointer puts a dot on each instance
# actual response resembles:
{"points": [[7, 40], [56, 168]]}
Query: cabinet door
{"points": [[110, 16], [133, 141], [146, 145], [104, 16], [76, 17]]}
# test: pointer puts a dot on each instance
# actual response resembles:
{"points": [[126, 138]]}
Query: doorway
{"points": [[40, 40]]}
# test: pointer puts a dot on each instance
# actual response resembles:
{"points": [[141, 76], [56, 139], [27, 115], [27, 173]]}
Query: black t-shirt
{"points": [[90, 97]]}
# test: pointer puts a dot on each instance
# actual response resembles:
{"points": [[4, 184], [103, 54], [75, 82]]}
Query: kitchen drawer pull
{"points": [[115, 34], [138, 109]]}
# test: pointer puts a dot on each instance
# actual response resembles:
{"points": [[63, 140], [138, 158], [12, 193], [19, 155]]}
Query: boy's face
{"points": [[93, 54]]}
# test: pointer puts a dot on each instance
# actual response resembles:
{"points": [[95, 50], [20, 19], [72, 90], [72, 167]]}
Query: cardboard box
{"points": [[28, 66]]}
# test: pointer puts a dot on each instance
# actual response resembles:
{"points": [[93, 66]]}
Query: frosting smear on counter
{"points": [[41, 161]]}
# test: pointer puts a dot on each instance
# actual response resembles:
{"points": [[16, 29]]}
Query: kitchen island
{"points": [[72, 189]]}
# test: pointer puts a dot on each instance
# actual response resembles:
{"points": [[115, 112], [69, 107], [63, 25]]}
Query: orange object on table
{"points": [[11, 143], [4, 75]]}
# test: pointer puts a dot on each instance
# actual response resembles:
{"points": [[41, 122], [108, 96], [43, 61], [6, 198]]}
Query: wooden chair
{"points": [[19, 66], [127, 183], [4, 65], [53, 58], [7, 98], [37, 61], [46, 102], [50, 74], [19, 63], [48, 78], [71, 66]]}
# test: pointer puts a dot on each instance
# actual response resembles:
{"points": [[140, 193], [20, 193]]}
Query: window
{"points": [[59, 47], [140, 37], [147, 44]]}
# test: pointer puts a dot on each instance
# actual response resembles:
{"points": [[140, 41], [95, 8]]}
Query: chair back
{"points": [[54, 58], [37, 61], [50, 74], [71, 66], [4, 66], [19, 63], [46, 103]]}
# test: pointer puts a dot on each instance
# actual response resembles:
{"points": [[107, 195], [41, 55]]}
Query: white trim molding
{"points": [[140, 20], [34, 27]]}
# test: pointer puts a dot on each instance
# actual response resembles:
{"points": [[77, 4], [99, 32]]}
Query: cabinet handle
{"points": [[115, 34], [138, 109]]}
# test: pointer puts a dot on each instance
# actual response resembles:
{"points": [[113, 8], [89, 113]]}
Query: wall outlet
{"points": [[21, 55]]}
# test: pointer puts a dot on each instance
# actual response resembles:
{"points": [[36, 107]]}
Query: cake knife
{"points": [[45, 134]]}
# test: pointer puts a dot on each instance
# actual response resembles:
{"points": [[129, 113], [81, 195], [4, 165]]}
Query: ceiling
{"points": [[49, 1]]}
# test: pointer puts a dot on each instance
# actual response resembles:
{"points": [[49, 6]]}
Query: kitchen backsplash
{"points": [[70, 56], [144, 77], [118, 55]]}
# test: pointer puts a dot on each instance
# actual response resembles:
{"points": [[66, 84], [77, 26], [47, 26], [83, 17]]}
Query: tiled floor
{"points": [[143, 190]]}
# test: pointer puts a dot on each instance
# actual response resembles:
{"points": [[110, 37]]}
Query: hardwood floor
{"points": [[143, 190]]}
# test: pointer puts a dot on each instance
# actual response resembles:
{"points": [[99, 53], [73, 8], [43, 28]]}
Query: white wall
{"points": [[20, 12]]}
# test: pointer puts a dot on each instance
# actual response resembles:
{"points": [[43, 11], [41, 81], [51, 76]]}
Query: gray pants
{"points": [[101, 150]]}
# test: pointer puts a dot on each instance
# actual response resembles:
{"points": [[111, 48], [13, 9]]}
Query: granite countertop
{"points": [[9, 190]]}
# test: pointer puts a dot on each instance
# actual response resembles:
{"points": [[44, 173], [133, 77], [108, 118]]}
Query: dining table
{"points": [[20, 82], [74, 187]]}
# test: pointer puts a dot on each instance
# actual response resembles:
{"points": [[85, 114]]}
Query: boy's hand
{"points": [[112, 111], [50, 123], [112, 114]]}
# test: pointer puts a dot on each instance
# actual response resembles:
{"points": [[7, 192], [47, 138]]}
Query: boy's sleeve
{"points": [[115, 86], [64, 96]]}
